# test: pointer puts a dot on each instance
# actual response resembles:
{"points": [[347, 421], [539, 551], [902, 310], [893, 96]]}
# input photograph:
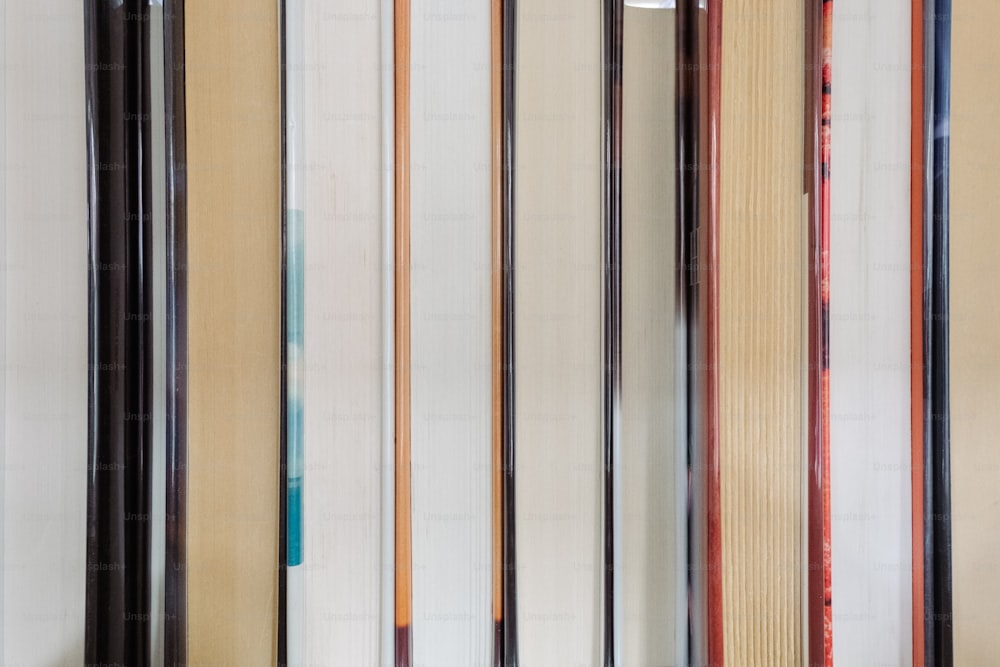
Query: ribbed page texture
{"points": [[870, 334], [234, 330], [761, 273], [342, 402], [975, 332], [450, 329], [558, 332]]}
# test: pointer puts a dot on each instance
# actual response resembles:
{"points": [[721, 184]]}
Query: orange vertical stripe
{"points": [[404, 546], [496, 292]]}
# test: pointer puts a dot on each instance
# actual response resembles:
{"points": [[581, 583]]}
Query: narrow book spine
{"points": [[699, 48], [708, 268], [175, 578], [818, 41], [508, 210], [612, 121], [826, 129], [403, 537], [120, 442], [497, 321], [940, 413], [687, 211]]}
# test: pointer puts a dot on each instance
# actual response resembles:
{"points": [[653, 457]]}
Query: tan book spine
{"points": [[234, 330]]}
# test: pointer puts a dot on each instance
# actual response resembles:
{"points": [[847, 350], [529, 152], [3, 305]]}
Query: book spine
{"points": [[508, 355], [403, 518], [826, 129], [175, 579], [940, 410], [687, 211], [708, 268], [699, 48], [612, 424], [819, 610], [496, 323], [120, 438]]}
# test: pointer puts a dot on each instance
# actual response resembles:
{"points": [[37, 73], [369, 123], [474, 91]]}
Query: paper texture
{"points": [[653, 456], [43, 334], [558, 332], [343, 324], [760, 331], [870, 335], [975, 332], [450, 329], [234, 271]]}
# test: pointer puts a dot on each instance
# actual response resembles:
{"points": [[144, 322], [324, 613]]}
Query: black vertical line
{"points": [[940, 422], [928, 332], [509, 113], [175, 573], [282, 655], [120, 341], [612, 145]]}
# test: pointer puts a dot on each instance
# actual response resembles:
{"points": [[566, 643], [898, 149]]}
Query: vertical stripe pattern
{"points": [[118, 538]]}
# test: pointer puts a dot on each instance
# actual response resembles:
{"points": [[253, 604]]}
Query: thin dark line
{"points": [[940, 422], [282, 649], [175, 576], [509, 114], [120, 342], [612, 130]]}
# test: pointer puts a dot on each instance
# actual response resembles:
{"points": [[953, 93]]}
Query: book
{"points": [[558, 333], [631, 499], [120, 438], [974, 324], [43, 335], [233, 331], [450, 306], [654, 455], [870, 399], [938, 580], [345, 424], [762, 332]]}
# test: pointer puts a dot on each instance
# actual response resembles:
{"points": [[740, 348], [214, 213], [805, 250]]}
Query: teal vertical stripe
{"points": [[295, 306]]}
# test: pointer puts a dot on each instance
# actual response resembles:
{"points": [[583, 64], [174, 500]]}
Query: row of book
{"points": [[350, 332]]}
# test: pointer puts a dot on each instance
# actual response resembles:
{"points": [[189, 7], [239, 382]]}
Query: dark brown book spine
{"points": [[175, 576], [120, 347]]}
